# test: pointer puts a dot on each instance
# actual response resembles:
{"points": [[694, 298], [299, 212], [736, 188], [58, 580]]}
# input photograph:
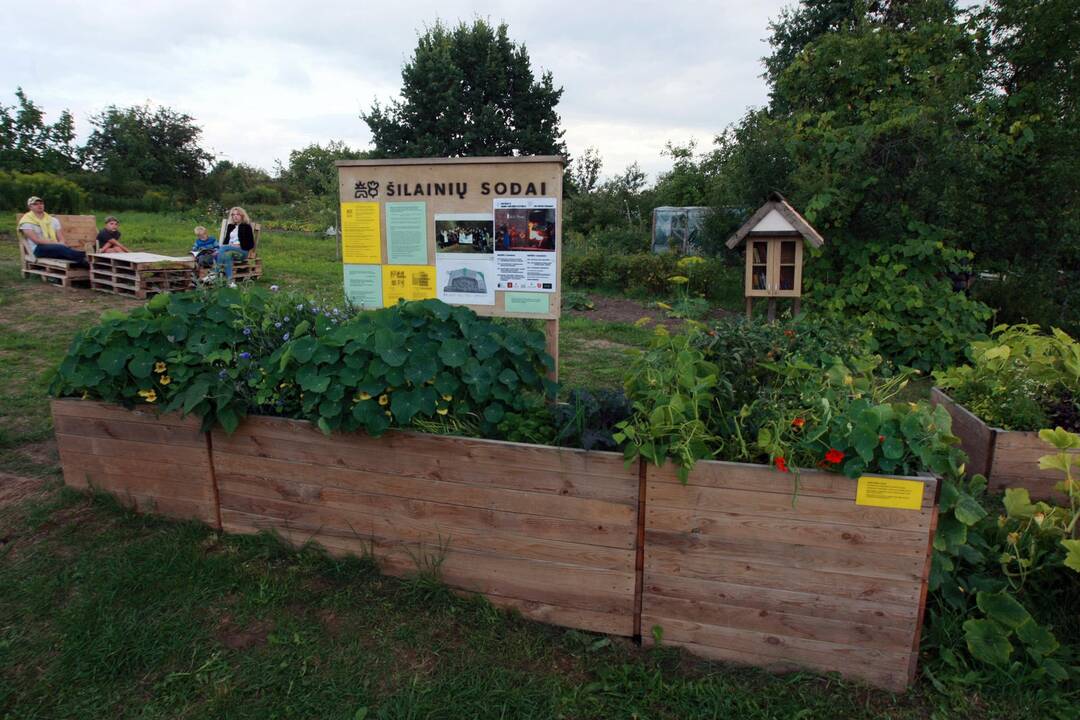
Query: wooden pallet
{"points": [[140, 275]]}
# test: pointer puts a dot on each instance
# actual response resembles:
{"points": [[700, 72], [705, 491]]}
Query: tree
{"points": [[583, 174], [469, 90], [29, 145], [148, 146], [311, 170]]}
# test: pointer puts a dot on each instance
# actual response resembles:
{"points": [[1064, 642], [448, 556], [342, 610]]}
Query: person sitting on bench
{"points": [[43, 237], [238, 241], [108, 240]]}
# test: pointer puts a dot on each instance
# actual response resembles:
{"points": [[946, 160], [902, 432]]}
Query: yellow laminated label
{"points": [[889, 493]]}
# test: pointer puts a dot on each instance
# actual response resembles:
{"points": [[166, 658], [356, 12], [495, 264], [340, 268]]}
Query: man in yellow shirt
{"points": [[42, 236]]}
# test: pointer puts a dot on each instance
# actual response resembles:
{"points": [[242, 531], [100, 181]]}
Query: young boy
{"points": [[205, 248], [108, 240]]}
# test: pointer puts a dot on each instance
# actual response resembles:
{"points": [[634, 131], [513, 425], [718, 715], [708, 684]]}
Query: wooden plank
{"points": [[815, 509], [536, 526], [593, 589], [139, 430], [609, 623], [108, 447], [365, 522], [179, 509], [843, 632], [329, 479], [507, 454], [804, 557], [845, 659], [108, 411], [795, 531], [444, 466], [767, 576], [760, 478], [869, 612], [887, 679], [976, 437]]}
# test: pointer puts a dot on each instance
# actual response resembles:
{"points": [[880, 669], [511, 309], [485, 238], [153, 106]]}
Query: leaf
{"points": [[228, 419], [394, 356], [893, 447], [303, 349], [1003, 608], [113, 360], [968, 510], [493, 413], [1072, 559], [405, 404], [1060, 438], [1017, 503], [142, 364], [987, 642], [195, 394], [1037, 638], [454, 353], [865, 440], [308, 378]]}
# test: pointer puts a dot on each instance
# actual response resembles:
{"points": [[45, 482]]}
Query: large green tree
{"points": [[469, 90], [311, 170], [28, 144], [148, 146]]}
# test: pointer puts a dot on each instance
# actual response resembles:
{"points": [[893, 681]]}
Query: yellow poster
{"points": [[889, 493], [407, 282], [360, 238]]}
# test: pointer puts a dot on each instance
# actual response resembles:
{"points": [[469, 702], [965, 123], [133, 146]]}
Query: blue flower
{"points": [[223, 374], [273, 288], [285, 336], [245, 356], [300, 306], [285, 319], [277, 325], [247, 331]]}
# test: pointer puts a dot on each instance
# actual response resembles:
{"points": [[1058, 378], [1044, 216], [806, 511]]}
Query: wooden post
{"points": [[772, 309], [551, 332], [796, 307], [749, 308]]}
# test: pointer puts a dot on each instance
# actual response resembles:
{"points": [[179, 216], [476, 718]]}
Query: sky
{"points": [[264, 78]]}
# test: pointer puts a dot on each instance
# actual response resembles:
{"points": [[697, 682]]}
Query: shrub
{"points": [[62, 196], [650, 273]]}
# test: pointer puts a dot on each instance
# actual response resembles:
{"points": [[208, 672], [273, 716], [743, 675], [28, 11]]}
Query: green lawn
{"points": [[104, 613]]}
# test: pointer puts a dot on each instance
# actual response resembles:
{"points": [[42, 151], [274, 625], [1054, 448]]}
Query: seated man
{"points": [[43, 238], [108, 240]]}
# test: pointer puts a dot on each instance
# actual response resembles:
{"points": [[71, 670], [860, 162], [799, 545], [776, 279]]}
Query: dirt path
{"points": [[624, 310]]}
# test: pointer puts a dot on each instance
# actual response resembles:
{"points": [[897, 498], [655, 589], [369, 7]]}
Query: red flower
{"points": [[781, 464], [881, 438], [798, 422], [789, 333], [834, 456]]}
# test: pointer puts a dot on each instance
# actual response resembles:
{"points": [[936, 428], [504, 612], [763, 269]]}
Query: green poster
{"points": [[363, 285], [406, 233], [527, 302]]}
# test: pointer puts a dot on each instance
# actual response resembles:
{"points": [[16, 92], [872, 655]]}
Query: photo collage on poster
{"points": [[511, 249]]}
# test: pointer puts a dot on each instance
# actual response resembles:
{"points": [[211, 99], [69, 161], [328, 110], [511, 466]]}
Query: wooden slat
{"points": [[787, 555], [815, 509], [133, 431], [771, 576], [234, 487], [260, 453], [108, 411], [795, 531], [867, 612], [845, 659], [976, 437], [375, 523]]}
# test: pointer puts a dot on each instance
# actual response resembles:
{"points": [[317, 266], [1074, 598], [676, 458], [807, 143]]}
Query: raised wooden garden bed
{"points": [[732, 566], [740, 568], [1008, 458]]}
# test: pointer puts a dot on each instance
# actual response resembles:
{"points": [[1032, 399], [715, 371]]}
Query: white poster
{"points": [[465, 278], [525, 257]]}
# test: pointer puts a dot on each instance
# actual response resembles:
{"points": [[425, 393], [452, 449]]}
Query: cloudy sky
{"points": [[262, 78]]}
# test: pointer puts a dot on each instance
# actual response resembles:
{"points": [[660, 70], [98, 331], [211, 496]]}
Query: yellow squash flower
{"points": [[364, 396]]}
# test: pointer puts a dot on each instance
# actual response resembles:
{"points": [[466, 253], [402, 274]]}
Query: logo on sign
{"points": [[366, 190]]}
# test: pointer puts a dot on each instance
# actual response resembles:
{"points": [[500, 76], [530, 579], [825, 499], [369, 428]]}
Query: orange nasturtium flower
{"points": [[834, 456], [798, 422], [781, 464]]}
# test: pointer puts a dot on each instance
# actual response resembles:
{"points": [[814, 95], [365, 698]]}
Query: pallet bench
{"points": [[139, 274], [79, 228]]}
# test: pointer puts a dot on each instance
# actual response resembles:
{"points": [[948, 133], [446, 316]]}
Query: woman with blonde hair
{"points": [[237, 241]]}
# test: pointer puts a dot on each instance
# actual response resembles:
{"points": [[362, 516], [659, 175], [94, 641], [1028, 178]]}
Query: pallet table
{"points": [[140, 274]]}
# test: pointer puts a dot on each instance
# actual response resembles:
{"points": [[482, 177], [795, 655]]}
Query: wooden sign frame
{"points": [[462, 186]]}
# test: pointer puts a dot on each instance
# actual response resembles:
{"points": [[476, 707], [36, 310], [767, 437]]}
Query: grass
{"points": [[104, 613]]}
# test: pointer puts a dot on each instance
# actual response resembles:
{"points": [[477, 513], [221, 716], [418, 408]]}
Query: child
{"points": [[204, 249], [108, 240]]}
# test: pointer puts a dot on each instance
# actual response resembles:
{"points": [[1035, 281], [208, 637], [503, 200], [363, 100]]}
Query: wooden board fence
{"points": [[738, 568], [549, 531], [154, 463]]}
